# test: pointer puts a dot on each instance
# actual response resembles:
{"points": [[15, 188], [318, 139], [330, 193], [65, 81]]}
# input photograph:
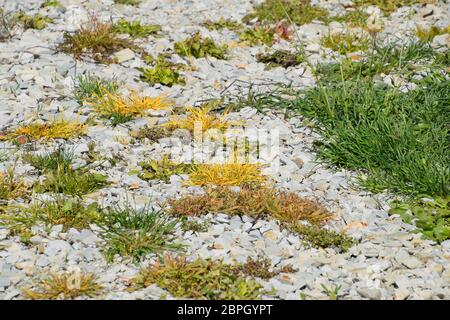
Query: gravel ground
{"points": [[36, 81]]}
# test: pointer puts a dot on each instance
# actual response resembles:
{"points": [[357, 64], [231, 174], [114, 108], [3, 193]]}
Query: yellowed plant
{"points": [[10, 187], [57, 128], [199, 117], [109, 104], [228, 174], [65, 286]]}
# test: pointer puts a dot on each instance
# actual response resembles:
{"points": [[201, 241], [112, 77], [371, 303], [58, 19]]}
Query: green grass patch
{"points": [[88, 86], [258, 35], [50, 161], [51, 3], [162, 71], [223, 23], [199, 279], [353, 18], [163, 169], [135, 29], [346, 42], [389, 6], [128, 2], [95, 41], [198, 47], [281, 58], [37, 21], [427, 35], [298, 11], [135, 234], [72, 182]]}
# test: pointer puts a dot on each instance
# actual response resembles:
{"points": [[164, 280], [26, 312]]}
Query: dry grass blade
{"points": [[65, 286]]}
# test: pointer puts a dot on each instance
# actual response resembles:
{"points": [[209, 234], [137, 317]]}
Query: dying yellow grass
{"points": [[10, 187], [109, 104], [57, 128], [199, 116], [65, 286], [227, 174]]}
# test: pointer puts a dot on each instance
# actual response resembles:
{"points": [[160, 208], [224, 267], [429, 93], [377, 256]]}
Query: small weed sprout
{"points": [[88, 86], [96, 41], [57, 128], [199, 279], [135, 29]]}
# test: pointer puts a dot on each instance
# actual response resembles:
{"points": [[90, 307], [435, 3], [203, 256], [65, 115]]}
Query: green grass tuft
{"points": [[88, 86], [135, 29], [135, 234], [199, 47]]}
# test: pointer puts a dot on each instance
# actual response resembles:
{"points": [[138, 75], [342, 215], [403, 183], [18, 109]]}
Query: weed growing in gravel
{"points": [[162, 71], [57, 128], [65, 286], [135, 29], [163, 169], [385, 60], [199, 279], [260, 268], [227, 174], [8, 22], [10, 186], [72, 182], [60, 158], [332, 293], [389, 6], [70, 213], [264, 203], [199, 47], [199, 116], [128, 2], [33, 22], [51, 3], [120, 108], [318, 237], [223, 23], [431, 216], [152, 133], [427, 35], [281, 58], [88, 86], [346, 42], [134, 234], [95, 40], [353, 18], [258, 35], [298, 11], [188, 224]]}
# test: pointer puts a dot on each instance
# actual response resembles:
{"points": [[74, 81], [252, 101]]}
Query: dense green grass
{"points": [[400, 140]]}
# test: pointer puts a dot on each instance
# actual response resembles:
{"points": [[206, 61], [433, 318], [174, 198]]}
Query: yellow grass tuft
{"points": [[110, 104], [199, 116], [55, 129], [65, 286], [227, 174]]}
